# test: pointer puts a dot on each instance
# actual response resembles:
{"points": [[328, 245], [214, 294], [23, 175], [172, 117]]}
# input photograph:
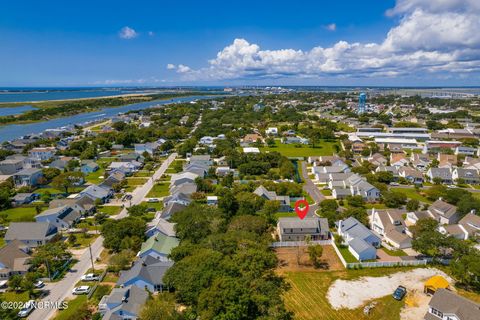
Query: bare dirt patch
{"points": [[354, 293], [296, 259]]}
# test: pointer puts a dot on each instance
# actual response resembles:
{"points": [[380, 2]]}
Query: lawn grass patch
{"points": [[347, 255], [136, 181], [20, 214], [411, 193], [159, 190], [394, 253], [322, 148], [74, 306], [110, 210]]}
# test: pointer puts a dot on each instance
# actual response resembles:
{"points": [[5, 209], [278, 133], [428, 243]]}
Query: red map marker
{"points": [[301, 208]]}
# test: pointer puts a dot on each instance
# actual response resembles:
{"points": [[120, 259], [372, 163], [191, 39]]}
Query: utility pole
{"points": [[91, 257]]}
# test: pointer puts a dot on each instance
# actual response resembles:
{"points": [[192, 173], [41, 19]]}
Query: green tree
{"points": [[315, 253], [67, 180], [161, 307]]}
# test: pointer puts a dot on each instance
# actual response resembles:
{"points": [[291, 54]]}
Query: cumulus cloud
{"points": [[434, 37], [127, 33], [171, 66], [331, 27]]}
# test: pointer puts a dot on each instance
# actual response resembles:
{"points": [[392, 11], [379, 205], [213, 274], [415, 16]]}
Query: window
{"points": [[436, 312]]}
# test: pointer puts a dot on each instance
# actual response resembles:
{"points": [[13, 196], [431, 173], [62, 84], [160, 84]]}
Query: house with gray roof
{"points": [[97, 193], [11, 166], [469, 176], [294, 229], [178, 197], [123, 303], [443, 212], [146, 272], [171, 208], [31, 234], [63, 217], [447, 305], [23, 198], [284, 201], [185, 188], [389, 224], [27, 177], [162, 226], [202, 160], [361, 241], [443, 174], [14, 259]]}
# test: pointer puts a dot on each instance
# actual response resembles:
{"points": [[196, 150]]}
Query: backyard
{"points": [[322, 148], [20, 214]]}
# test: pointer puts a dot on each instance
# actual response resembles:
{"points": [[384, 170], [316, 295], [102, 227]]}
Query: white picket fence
{"points": [[377, 264], [380, 264], [281, 244]]}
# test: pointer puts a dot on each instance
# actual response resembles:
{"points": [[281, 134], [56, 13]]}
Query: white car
{"points": [[81, 290], [27, 309], [39, 284], [153, 200], [90, 277]]}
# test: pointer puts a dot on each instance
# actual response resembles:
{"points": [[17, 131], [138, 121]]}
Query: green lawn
{"points": [[375, 205], [94, 177], [15, 296], [322, 148], [20, 214], [82, 240], [54, 191], [143, 173], [110, 210], [285, 214], [157, 205], [307, 296], [326, 192], [394, 253], [412, 194], [159, 190], [347, 255], [74, 306], [136, 181]]}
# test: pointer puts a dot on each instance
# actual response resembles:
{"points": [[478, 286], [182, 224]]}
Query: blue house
{"points": [[146, 272], [89, 167]]}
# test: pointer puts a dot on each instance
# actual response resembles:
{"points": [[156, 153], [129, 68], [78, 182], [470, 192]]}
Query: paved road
{"points": [[312, 190], [61, 290]]}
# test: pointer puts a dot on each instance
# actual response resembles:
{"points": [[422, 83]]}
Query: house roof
{"points": [[166, 227], [442, 208], [13, 257], [148, 268], [471, 223], [444, 173], [307, 223], [28, 172], [129, 299], [171, 208], [29, 230], [355, 229], [448, 302], [160, 243], [359, 245]]}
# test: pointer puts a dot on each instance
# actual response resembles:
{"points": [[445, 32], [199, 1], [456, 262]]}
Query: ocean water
{"points": [[14, 110], [41, 94]]}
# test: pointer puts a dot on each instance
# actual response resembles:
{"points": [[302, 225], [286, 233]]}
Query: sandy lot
{"points": [[352, 294], [288, 259]]}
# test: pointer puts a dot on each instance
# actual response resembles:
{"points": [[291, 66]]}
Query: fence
{"points": [[100, 278], [377, 264], [299, 243], [380, 264]]}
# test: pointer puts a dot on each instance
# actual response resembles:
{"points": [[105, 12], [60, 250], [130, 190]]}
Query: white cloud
{"points": [[434, 37], [151, 33], [183, 69], [127, 33], [171, 66], [331, 27]]}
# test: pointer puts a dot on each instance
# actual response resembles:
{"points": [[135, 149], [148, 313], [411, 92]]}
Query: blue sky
{"points": [[343, 42]]}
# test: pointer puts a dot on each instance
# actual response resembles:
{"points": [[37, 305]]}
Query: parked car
{"points": [[27, 309], [81, 290], [399, 293], [394, 184], [90, 277], [39, 284], [153, 200]]}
